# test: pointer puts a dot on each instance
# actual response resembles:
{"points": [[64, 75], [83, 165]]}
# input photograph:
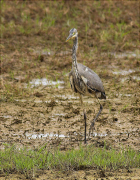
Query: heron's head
{"points": [[72, 34]]}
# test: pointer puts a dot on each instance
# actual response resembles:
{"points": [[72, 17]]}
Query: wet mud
{"points": [[57, 119]]}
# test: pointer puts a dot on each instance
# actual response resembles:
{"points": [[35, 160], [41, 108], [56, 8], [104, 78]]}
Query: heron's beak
{"points": [[69, 37]]}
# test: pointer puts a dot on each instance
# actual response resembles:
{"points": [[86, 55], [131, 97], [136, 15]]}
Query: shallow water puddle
{"points": [[6, 116], [127, 73], [20, 100], [114, 134], [128, 54], [59, 114], [137, 78], [51, 53], [124, 72], [66, 97], [52, 135], [99, 134], [47, 53], [127, 95], [47, 135], [45, 82]]}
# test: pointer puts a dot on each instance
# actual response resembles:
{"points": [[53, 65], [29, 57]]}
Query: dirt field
{"points": [[37, 103]]}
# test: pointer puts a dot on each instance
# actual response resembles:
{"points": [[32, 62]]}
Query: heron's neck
{"points": [[74, 59]]}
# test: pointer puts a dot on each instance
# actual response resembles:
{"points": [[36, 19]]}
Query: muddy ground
{"points": [[37, 103]]}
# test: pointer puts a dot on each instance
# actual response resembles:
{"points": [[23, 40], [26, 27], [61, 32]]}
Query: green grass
{"points": [[27, 161]]}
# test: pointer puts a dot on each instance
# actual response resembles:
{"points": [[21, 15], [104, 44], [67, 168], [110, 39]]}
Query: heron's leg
{"points": [[93, 122], [85, 117]]}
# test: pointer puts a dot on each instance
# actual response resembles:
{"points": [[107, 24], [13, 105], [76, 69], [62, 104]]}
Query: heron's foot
{"points": [[91, 129]]}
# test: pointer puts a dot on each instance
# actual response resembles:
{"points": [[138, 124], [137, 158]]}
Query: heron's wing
{"points": [[93, 80]]}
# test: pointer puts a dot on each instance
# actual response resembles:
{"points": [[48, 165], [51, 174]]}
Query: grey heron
{"points": [[84, 81]]}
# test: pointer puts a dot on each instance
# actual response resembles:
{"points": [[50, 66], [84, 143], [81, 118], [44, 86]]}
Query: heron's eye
{"points": [[73, 33]]}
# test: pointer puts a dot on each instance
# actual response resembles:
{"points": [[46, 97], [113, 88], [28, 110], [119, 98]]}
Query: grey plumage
{"points": [[83, 80], [94, 83]]}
